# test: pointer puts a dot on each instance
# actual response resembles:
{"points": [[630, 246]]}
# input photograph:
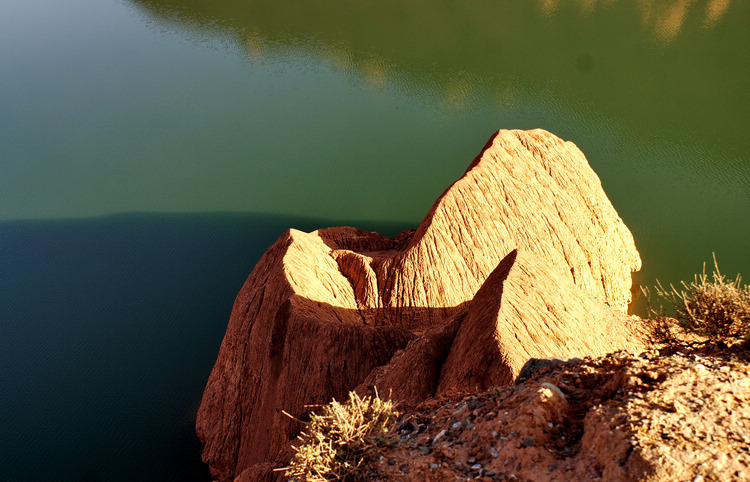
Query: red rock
{"points": [[321, 310], [295, 338], [527, 310], [524, 310]]}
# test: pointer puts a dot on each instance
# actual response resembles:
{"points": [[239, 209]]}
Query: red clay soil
{"points": [[648, 417]]}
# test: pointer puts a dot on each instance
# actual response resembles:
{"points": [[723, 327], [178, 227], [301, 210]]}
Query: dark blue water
{"points": [[109, 329]]}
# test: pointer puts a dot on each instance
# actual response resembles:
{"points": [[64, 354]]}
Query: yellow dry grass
{"points": [[338, 441], [717, 309]]}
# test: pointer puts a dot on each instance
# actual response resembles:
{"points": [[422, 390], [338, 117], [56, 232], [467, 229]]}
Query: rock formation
{"points": [[528, 223]]}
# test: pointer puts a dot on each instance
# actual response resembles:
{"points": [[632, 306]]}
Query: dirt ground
{"points": [[681, 415]]}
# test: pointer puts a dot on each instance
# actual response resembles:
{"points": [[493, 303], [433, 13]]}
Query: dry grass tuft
{"points": [[717, 309], [337, 442]]}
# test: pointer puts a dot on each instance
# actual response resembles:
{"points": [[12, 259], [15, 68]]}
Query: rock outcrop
{"points": [[325, 312], [656, 416]]}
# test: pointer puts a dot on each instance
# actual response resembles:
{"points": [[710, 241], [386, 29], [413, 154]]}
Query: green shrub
{"points": [[718, 309], [338, 442]]}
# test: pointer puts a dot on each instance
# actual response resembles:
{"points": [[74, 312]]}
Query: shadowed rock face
{"points": [[528, 223]]}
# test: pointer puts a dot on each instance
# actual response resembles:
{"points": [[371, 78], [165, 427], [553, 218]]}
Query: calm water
{"points": [[358, 111]]}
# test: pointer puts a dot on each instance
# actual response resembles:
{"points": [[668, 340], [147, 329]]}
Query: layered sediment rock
{"points": [[528, 223]]}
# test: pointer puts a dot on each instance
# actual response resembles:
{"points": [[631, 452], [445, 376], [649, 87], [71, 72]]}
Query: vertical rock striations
{"points": [[524, 256], [527, 310]]}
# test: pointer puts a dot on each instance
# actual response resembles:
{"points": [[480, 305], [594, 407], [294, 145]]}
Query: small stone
{"points": [[553, 389], [403, 425], [494, 453], [392, 461], [403, 467], [433, 466], [534, 365], [528, 442], [476, 467], [438, 436], [552, 467], [698, 478]]}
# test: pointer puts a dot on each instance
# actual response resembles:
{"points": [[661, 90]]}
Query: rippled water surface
{"points": [[358, 112]]}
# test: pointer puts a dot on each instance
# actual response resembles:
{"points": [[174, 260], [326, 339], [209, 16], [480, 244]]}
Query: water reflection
{"points": [[664, 73], [666, 19], [663, 19], [715, 10], [653, 68], [583, 52], [662, 81]]}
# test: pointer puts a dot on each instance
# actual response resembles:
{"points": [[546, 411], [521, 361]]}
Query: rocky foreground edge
{"points": [[522, 257]]}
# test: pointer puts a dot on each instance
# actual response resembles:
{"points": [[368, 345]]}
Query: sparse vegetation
{"points": [[338, 442], [717, 309]]}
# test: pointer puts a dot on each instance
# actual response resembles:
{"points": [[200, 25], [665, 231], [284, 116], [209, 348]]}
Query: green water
{"points": [[346, 112], [368, 110]]}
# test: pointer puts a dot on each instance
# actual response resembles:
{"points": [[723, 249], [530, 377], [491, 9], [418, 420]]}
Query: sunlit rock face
{"points": [[524, 310], [523, 256]]}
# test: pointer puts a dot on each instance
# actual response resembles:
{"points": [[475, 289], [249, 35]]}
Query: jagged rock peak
{"points": [[532, 191]]}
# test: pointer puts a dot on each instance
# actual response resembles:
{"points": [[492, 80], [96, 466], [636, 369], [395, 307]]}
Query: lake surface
{"points": [[150, 150]]}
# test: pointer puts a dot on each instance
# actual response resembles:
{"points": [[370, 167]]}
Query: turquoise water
{"points": [[345, 112]]}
